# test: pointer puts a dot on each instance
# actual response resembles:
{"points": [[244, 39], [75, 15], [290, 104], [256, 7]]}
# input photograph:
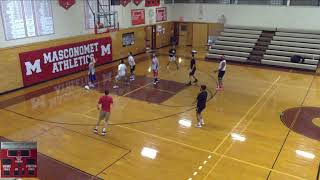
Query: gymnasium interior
{"points": [[263, 125]]}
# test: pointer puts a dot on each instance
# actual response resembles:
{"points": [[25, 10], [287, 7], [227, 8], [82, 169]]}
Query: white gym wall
{"points": [[71, 22], [293, 17]]}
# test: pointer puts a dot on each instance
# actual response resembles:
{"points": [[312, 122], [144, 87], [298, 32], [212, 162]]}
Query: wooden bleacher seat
{"points": [[228, 58], [288, 59], [289, 64], [237, 44], [291, 39], [302, 31], [243, 31], [295, 49], [232, 48], [298, 35], [289, 54], [230, 53], [235, 39], [239, 35], [295, 44]]}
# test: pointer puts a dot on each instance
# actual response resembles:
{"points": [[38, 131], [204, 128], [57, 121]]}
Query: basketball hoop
{"points": [[106, 22]]}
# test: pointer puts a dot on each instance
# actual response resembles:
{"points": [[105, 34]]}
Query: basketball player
{"points": [[104, 106], [172, 57], [91, 71], [121, 74], [221, 71], [201, 105], [155, 68], [192, 70], [132, 65]]}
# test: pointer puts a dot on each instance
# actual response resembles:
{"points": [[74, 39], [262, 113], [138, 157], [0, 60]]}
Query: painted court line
{"points": [[239, 122], [137, 89], [200, 149], [210, 156], [248, 123], [247, 113]]}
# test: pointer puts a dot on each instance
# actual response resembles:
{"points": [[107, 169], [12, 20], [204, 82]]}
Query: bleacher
{"points": [[287, 43], [235, 42], [270, 46]]}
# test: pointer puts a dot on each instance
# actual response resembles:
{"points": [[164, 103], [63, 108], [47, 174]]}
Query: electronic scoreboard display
{"points": [[18, 159]]}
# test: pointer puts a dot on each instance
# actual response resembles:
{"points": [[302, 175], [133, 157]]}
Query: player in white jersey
{"points": [[132, 65], [221, 71], [122, 69], [155, 68], [91, 71]]}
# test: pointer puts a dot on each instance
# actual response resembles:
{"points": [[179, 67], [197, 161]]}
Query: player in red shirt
{"points": [[104, 105]]}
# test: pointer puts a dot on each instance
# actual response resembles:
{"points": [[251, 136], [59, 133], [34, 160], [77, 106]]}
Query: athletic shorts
{"points": [[132, 68], [104, 115], [155, 72], [221, 74], [92, 77], [118, 77], [172, 58], [192, 72], [200, 109]]}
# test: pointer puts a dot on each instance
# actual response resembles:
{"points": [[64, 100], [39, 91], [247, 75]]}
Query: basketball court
{"points": [[152, 134]]}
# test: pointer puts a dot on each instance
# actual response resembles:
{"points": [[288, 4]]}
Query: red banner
{"points": [[67, 3], [124, 3], [45, 64], [149, 3], [161, 14], [137, 2], [137, 16]]}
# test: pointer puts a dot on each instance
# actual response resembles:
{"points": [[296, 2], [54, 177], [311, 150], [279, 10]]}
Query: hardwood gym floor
{"points": [[244, 137]]}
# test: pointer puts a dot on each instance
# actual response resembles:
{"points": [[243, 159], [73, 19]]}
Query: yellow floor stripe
{"points": [[199, 149], [247, 113]]}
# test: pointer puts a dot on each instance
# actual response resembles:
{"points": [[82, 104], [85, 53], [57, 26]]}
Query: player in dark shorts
{"points": [[201, 105], [91, 71], [221, 71], [192, 70], [172, 57]]}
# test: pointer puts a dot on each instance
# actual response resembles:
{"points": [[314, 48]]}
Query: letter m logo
{"points": [[105, 49], [31, 68]]}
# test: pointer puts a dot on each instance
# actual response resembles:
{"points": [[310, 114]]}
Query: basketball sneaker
{"points": [[95, 130], [103, 133]]}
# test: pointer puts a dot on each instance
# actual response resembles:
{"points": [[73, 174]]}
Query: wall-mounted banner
{"points": [[137, 2], [45, 64], [161, 14], [66, 3], [137, 16], [149, 3], [124, 3]]}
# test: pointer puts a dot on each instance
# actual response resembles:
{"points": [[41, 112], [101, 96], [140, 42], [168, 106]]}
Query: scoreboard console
{"points": [[18, 159]]}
